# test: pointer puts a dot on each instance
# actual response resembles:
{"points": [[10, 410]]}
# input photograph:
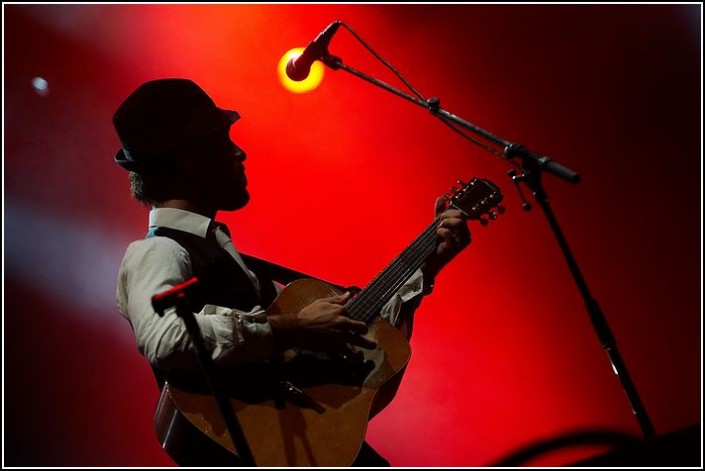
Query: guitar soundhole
{"points": [[310, 368]]}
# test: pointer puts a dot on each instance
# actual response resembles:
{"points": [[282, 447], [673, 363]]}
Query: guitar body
{"points": [[310, 409]]}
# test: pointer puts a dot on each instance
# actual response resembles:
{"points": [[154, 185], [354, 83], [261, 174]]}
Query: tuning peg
{"points": [[501, 209], [493, 215], [484, 222], [462, 183]]}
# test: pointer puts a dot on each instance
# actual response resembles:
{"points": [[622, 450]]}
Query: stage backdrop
{"points": [[342, 178]]}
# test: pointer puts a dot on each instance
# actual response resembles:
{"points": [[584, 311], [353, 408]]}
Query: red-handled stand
{"points": [[178, 297]]}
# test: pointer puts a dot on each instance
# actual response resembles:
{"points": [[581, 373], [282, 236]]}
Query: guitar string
{"points": [[382, 287], [370, 296], [398, 276], [376, 294], [401, 274]]}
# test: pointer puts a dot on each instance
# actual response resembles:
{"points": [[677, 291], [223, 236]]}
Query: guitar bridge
{"points": [[300, 398]]}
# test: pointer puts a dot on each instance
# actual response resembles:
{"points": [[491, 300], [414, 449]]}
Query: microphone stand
{"points": [[178, 297], [532, 166]]}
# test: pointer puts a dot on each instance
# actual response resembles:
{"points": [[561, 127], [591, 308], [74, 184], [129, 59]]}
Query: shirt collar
{"points": [[179, 219]]}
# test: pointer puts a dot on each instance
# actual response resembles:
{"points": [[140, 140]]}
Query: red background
{"points": [[341, 180]]}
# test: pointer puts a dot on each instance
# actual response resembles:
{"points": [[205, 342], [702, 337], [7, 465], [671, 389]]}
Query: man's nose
{"points": [[240, 154]]}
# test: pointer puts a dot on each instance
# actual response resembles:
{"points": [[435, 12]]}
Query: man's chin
{"points": [[237, 203]]}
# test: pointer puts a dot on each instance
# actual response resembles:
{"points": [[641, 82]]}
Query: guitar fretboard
{"points": [[368, 303]]}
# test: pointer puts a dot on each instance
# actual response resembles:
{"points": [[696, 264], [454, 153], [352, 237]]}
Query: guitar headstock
{"points": [[476, 199]]}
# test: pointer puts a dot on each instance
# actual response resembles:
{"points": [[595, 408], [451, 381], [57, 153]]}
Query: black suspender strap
{"points": [[285, 275]]}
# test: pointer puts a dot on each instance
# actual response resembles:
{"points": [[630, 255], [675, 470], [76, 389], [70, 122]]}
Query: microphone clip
{"points": [[517, 179]]}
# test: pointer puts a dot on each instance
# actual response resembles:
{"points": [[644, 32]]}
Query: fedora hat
{"points": [[162, 115]]}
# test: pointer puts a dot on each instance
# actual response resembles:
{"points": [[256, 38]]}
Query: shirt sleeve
{"points": [[156, 264], [400, 310]]}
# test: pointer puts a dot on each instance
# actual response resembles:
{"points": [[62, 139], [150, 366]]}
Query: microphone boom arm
{"points": [[509, 151]]}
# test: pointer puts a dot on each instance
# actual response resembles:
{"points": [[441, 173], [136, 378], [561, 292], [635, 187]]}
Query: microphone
{"points": [[298, 69]]}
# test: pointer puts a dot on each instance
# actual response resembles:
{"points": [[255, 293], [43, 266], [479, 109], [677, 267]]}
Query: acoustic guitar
{"points": [[310, 408]]}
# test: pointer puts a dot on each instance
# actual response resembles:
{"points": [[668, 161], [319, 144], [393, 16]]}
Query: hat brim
{"points": [[123, 160]]}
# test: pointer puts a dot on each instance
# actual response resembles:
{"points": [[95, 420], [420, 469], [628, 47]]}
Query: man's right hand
{"points": [[321, 326]]}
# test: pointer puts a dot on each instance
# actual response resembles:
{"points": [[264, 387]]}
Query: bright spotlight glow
{"points": [[40, 86], [309, 83]]}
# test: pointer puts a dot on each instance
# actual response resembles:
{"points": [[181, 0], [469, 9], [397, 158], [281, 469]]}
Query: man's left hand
{"points": [[453, 236]]}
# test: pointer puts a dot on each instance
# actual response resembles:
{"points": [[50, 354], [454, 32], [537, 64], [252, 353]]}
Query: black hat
{"points": [[162, 115]]}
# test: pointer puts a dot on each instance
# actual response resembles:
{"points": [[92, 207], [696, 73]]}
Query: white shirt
{"points": [[155, 264]]}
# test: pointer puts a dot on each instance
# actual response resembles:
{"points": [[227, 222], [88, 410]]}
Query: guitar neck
{"points": [[367, 305]]}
